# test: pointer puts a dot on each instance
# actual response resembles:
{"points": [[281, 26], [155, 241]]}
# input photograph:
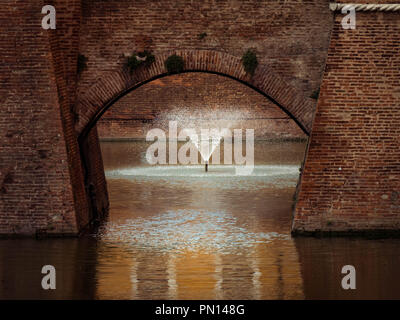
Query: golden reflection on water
{"points": [[262, 273], [198, 236]]}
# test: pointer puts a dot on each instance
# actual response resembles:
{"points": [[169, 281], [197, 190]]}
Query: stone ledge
{"points": [[383, 7]]}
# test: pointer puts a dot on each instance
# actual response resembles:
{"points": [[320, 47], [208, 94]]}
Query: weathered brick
{"points": [[351, 177]]}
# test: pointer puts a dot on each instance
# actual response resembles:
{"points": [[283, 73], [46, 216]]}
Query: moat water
{"points": [[176, 232]]}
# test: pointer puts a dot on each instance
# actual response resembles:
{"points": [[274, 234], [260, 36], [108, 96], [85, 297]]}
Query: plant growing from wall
{"points": [[202, 35], [249, 61], [174, 64], [137, 59], [82, 63]]}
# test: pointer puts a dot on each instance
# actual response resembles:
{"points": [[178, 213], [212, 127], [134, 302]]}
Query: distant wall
{"points": [[196, 99]]}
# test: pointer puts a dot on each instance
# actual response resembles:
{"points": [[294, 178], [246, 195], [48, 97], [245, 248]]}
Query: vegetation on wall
{"points": [[174, 64], [137, 59], [202, 35], [249, 61]]}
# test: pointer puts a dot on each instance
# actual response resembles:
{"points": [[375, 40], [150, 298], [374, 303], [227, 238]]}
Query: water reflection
{"points": [[208, 235], [22, 261], [196, 236], [377, 264]]}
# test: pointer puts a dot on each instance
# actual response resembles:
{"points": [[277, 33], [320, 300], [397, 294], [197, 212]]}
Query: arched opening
{"points": [[176, 206], [113, 86], [291, 111]]}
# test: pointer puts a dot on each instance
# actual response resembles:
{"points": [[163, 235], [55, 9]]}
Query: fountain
{"points": [[203, 145]]}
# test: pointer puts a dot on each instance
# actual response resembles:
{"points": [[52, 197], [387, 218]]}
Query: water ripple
{"points": [[186, 230]]}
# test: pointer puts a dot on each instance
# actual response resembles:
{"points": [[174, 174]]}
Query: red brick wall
{"points": [[351, 178], [64, 52], [36, 193], [291, 37], [95, 181], [198, 99]]}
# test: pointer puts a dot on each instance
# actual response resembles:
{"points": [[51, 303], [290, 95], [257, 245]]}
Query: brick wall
{"points": [[291, 37], [95, 181], [196, 99], [36, 193], [64, 51], [351, 178]]}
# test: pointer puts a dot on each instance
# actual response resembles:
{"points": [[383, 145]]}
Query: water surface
{"points": [[176, 232]]}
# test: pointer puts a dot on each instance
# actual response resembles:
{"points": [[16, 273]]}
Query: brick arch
{"points": [[114, 85]]}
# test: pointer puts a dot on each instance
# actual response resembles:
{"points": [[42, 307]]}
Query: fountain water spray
{"points": [[206, 145]]}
